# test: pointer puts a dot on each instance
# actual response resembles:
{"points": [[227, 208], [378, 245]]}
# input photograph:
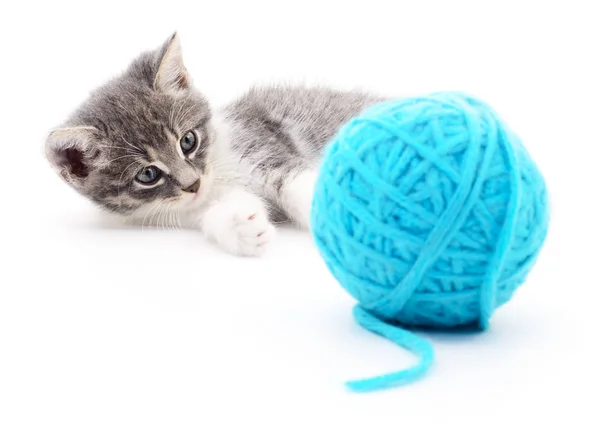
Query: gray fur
{"points": [[280, 131], [275, 133]]}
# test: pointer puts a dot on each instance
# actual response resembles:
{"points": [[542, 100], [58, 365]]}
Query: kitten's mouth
{"points": [[203, 192], [196, 199]]}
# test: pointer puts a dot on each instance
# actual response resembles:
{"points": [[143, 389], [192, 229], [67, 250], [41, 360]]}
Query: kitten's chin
{"points": [[194, 203]]}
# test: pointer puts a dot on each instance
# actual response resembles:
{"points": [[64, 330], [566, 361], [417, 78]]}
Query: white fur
{"points": [[238, 222], [296, 196], [224, 162]]}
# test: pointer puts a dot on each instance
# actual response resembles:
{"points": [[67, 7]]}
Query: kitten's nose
{"points": [[193, 188]]}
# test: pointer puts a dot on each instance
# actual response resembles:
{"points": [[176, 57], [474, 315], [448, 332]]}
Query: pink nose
{"points": [[193, 188]]}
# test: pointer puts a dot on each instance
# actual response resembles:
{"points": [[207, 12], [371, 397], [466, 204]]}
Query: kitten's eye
{"points": [[149, 175], [188, 142]]}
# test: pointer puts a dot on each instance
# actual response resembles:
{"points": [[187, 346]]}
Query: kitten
{"points": [[146, 146]]}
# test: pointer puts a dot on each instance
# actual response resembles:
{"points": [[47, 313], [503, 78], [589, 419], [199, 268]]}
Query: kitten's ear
{"points": [[172, 76], [71, 152]]}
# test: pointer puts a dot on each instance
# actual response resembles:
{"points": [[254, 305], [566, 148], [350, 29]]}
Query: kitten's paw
{"points": [[239, 224]]}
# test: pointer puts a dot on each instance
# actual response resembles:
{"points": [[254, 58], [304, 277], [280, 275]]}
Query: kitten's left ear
{"points": [[71, 151], [172, 76]]}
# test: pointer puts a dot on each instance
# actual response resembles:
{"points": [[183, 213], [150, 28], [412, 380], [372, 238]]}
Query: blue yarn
{"points": [[430, 213]]}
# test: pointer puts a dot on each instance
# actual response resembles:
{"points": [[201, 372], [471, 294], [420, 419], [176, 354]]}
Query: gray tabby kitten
{"points": [[147, 147]]}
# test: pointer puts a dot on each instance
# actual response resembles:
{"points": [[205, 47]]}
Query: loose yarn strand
{"points": [[417, 345]]}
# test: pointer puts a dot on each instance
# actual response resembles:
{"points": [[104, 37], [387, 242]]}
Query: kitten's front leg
{"points": [[238, 222], [296, 196]]}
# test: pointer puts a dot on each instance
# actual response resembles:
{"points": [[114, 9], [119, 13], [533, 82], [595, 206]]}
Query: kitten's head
{"points": [[141, 141]]}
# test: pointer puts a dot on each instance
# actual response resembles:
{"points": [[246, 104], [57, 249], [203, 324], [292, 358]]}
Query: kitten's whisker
{"points": [[183, 102], [169, 218], [176, 107], [166, 222], [186, 112], [172, 111], [154, 205], [174, 219], [110, 147], [137, 118], [127, 111], [164, 214], [179, 220], [139, 150], [159, 217], [122, 157], [159, 214], [176, 222]]}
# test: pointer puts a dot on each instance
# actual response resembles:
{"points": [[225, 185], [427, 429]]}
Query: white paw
{"points": [[239, 223]]}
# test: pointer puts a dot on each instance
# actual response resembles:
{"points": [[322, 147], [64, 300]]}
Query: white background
{"points": [[104, 329]]}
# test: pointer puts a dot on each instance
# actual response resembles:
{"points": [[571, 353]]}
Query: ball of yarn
{"points": [[430, 212]]}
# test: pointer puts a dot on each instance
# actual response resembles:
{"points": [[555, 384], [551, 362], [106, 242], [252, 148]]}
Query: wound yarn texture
{"points": [[430, 213]]}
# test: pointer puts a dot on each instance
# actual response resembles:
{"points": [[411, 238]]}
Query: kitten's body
{"points": [[277, 134], [256, 159]]}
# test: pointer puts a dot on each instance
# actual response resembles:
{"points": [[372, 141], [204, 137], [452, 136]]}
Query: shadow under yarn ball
{"points": [[430, 212]]}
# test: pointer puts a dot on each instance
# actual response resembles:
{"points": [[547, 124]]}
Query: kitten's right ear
{"points": [[171, 75], [70, 151]]}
